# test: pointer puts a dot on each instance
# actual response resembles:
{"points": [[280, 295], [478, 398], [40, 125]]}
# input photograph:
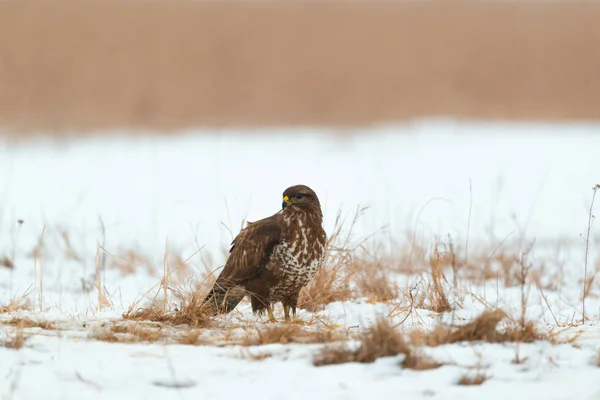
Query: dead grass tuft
{"points": [[139, 332], [15, 341], [129, 333], [419, 361], [470, 379], [190, 311], [438, 300], [482, 328], [190, 337], [21, 303], [28, 323], [380, 340], [6, 262], [290, 333], [327, 286], [332, 355], [258, 356]]}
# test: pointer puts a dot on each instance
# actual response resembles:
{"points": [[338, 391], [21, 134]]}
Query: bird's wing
{"points": [[250, 251]]}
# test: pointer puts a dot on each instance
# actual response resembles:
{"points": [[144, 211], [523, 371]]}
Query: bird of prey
{"points": [[273, 258]]}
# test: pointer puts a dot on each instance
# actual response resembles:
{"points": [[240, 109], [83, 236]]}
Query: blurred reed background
{"points": [[78, 66]]}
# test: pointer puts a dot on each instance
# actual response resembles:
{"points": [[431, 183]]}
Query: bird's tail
{"points": [[223, 300]]}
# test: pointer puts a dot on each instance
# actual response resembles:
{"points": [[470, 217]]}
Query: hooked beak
{"points": [[286, 202]]}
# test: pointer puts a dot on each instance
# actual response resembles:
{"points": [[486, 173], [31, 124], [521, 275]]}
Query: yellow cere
{"points": [[286, 199]]}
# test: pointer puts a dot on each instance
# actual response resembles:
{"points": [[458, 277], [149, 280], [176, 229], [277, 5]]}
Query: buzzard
{"points": [[273, 258]]}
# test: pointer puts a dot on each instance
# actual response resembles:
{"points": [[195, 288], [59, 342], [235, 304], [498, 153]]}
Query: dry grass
{"points": [[6, 262], [349, 270], [191, 312], [417, 360], [16, 340], [191, 309], [327, 286], [438, 300], [28, 323], [472, 379], [190, 337], [21, 303], [483, 328], [290, 333], [129, 333], [255, 356], [332, 281], [380, 340], [130, 262]]}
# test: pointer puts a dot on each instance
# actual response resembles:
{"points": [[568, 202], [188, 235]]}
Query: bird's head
{"points": [[300, 196]]}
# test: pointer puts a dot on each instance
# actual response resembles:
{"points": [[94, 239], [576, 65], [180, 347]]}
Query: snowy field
{"points": [[89, 227]]}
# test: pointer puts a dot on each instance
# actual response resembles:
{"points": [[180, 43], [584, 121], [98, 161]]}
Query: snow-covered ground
{"points": [[187, 195]]}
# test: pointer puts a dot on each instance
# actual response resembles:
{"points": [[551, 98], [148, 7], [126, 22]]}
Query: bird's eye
{"points": [[299, 196]]}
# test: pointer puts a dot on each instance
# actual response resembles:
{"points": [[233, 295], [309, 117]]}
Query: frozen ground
{"points": [[187, 195]]}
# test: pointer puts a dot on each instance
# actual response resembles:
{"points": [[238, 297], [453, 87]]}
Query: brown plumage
{"points": [[273, 258]]}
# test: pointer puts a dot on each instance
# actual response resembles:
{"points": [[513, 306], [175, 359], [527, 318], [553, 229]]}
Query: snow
{"points": [[188, 194]]}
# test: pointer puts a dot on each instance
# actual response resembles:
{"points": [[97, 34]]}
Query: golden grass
{"points": [[21, 303], [190, 310]]}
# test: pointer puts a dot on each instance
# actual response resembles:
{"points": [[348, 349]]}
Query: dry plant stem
{"points": [[468, 222], [103, 301], [524, 273], [591, 218], [14, 252]]}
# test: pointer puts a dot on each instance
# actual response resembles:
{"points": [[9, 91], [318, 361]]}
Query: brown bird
{"points": [[273, 258]]}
